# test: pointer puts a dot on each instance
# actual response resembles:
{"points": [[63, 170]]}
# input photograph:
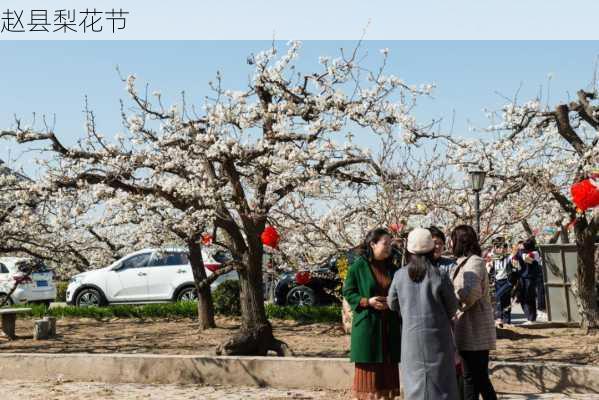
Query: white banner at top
{"points": [[301, 19]]}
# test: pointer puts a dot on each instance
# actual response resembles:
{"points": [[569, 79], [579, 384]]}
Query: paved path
{"points": [[59, 390], [518, 317]]}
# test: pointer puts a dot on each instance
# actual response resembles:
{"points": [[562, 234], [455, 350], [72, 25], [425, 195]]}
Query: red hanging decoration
{"points": [[585, 194], [270, 237], [207, 239], [303, 277], [395, 228]]}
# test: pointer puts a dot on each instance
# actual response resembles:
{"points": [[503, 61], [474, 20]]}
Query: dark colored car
{"points": [[311, 287], [318, 286]]}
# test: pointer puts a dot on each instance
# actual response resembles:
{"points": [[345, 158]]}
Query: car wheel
{"points": [[301, 296], [187, 294], [89, 298], [2, 297]]}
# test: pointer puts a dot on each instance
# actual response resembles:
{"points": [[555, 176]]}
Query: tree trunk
{"points": [[255, 336], [527, 227], [596, 264], [205, 306], [564, 237], [585, 282]]}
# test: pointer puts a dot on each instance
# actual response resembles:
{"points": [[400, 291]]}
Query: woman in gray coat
{"points": [[425, 300]]}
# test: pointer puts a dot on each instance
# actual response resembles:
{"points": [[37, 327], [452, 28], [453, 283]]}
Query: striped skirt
{"points": [[374, 381]]}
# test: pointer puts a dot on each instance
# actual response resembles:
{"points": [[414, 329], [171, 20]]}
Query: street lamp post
{"points": [[477, 180]]}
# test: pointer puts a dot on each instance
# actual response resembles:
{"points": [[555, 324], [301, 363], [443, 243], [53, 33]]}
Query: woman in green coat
{"points": [[376, 331]]}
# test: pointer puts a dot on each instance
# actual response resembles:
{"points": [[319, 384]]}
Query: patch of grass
{"points": [[306, 314], [145, 311], [303, 314]]}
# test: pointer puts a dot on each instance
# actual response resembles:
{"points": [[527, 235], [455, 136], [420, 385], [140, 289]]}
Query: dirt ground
{"points": [[62, 390], [306, 340]]}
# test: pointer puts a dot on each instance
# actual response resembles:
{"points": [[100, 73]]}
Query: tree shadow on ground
{"points": [[546, 378], [504, 333]]}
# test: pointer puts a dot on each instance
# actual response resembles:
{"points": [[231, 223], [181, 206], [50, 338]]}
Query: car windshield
{"points": [[41, 267], [27, 266], [136, 261]]}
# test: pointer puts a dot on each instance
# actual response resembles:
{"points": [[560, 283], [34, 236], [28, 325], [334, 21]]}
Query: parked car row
{"points": [[163, 275], [146, 276]]}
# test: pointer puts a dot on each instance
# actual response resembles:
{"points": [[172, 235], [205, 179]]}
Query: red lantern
{"points": [[303, 277], [207, 239], [397, 227], [585, 194], [270, 237]]}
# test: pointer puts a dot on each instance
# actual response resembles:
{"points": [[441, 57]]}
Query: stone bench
{"points": [[44, 328], [9, 320]]}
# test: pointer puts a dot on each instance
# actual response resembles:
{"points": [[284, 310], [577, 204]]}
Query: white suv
{"points": [[146, 276], [37, 288]]}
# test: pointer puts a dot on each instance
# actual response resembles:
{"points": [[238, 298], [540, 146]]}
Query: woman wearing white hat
{"points": [[425, 300]]}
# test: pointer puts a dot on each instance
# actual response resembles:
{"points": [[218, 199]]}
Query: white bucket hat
{"points": [[420, 241]]}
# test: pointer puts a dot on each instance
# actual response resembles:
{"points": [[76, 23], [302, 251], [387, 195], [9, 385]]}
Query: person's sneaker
{"points": [[542, 316], [528, 323]]}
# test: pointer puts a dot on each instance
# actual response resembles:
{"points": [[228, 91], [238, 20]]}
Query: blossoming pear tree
{"points": [[421, 187], [540, 153], [230, 164], [47, 225]]}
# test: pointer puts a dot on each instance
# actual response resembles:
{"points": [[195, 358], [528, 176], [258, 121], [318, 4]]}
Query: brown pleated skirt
{"points": [[374, 381]]}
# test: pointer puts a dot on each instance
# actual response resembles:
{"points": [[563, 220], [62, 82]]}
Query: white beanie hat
{"points": [[420, 241]]}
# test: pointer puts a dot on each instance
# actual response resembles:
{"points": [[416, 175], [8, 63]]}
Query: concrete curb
{"points": [[288, 372], [291, 372], [513, 377]]}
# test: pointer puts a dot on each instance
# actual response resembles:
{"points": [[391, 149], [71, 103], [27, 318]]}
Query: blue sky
{"points": [[52, 77]]}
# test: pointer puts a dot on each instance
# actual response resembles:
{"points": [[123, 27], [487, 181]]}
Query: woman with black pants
{"points": [[527, 259], [474, 324]]}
